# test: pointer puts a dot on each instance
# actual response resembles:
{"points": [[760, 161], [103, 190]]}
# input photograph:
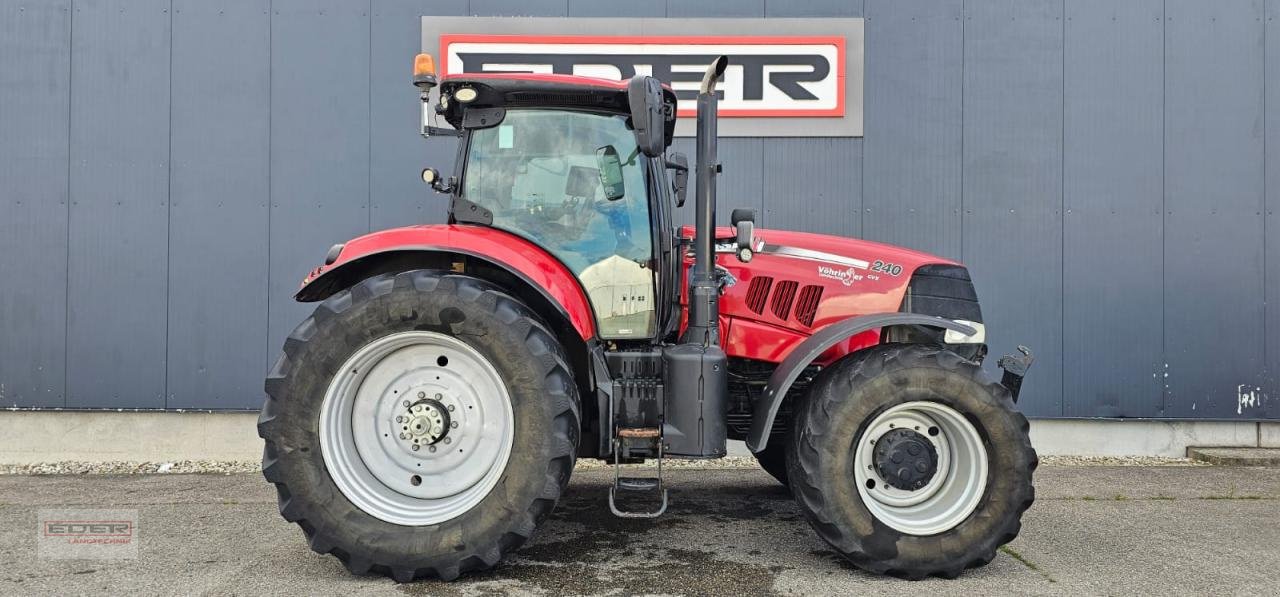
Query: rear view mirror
{"points": [[644, 97], [610, 166], [744, 224], [680, 178]]}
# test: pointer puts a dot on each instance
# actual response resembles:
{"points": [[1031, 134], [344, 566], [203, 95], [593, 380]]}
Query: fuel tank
{"points": [[799, 282]]}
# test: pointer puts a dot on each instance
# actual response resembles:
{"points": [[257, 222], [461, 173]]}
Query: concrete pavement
{"points": [[1093, 530]]}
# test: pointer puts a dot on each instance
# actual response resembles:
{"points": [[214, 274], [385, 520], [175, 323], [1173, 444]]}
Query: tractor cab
{"points": [[565, 163]]}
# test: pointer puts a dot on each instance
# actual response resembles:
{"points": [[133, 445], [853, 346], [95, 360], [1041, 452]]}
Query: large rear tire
{"points": [[419, 424], [909, 462]]}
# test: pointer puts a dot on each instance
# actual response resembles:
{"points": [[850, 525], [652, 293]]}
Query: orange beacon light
{"points": [[424, 71]]}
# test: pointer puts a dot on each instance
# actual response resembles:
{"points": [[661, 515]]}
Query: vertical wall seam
{"points": [[964, 14], [1162, 368], [862, 150], [1062, 225], [369, 126], [266, 341], [168, 226], [1266, 305], [66, 289]]}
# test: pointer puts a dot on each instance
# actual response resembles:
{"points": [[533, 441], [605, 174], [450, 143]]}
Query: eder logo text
{"points": [[768, 76], [88, 528]]}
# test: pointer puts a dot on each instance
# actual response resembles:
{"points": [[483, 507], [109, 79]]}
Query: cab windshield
{"points": [[540, 173]]}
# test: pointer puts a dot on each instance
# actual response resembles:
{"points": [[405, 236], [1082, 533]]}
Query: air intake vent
{"points": [[782, 297], [807, 306], [758, 293]]}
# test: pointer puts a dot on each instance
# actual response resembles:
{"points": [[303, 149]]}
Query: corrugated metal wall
{"points": [[170, 168]]}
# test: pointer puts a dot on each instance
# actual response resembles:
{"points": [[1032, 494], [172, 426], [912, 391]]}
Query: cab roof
{"points": [[539, 90]]}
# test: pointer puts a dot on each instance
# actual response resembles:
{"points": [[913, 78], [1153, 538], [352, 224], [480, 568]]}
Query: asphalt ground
{"points": [[1094, 530]]}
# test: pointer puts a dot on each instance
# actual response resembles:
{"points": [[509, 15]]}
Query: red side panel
{"points": [[503, 248], [799, 283]]}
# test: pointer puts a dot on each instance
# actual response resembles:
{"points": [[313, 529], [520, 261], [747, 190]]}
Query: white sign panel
{"points": [[786, 77]]}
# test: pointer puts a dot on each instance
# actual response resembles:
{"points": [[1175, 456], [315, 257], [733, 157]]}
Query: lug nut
{"points": [[450, 408], [403, 436], [416, 447], [453, 425], [439, 396], [422, 394], [448, 440], [406, 403], [399, 419]]}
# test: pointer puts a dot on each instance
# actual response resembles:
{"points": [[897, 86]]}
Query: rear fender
{"points": [[766, 408], [440, 246]]}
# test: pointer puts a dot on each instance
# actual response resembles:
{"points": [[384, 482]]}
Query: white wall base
{"points": [[1115, 437], [28, 437]]}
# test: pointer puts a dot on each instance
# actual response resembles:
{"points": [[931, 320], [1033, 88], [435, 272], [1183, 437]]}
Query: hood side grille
{"points": [[758, 293], [807, 306], [782, 298]]}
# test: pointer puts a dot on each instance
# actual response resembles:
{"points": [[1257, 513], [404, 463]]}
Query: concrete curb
{"points": [[1236, 456]]}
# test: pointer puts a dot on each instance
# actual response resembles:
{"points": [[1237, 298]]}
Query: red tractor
{"points": [[427, 416]]}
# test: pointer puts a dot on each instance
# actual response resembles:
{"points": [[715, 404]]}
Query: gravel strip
{"points": [[1117, 461], [132, 468], [731, 462]]}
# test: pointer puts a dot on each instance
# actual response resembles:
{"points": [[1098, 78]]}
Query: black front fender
{"points": [[766, 408]]}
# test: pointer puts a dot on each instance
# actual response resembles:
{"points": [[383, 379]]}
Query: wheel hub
{"points": [[905, 459], [416, 428], [920, 467], [423, 423]]}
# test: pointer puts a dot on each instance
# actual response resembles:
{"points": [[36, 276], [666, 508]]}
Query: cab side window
{"points": [[540, 173]]}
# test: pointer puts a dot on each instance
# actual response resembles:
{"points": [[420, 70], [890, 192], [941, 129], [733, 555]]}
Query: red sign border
{"points": [[761, 40]]}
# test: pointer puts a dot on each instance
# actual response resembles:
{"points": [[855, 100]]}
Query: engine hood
{"points": [[820, 247], [799, 282]]}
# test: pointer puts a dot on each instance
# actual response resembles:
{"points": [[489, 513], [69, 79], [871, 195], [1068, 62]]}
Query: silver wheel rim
{"points": [[955, 489], [416, 428]]}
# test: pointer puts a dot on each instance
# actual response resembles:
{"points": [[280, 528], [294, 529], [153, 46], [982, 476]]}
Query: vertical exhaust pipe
{"points": [[695, 372], [704, 305]]}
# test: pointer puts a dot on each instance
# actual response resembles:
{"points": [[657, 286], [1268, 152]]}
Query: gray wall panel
{"points": [[397, 153], [715, 8], [1213, 204], [1113, 196], [119, 204], [913, 121], [219, 193], [1012, 182], [814, 185], [814, 8], [595, 8], [319, 144], [35, 40], [1272, 183], [519, 8]]}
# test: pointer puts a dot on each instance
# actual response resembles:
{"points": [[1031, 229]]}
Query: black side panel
{"points": [[944, 291], [697, 396]]}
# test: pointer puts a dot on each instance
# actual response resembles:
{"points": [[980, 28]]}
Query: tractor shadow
{"points": [[725, 532], [722, 534]]}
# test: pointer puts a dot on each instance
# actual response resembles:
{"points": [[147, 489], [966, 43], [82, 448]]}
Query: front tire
{"points": [[419, 424], [948, 481]]}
